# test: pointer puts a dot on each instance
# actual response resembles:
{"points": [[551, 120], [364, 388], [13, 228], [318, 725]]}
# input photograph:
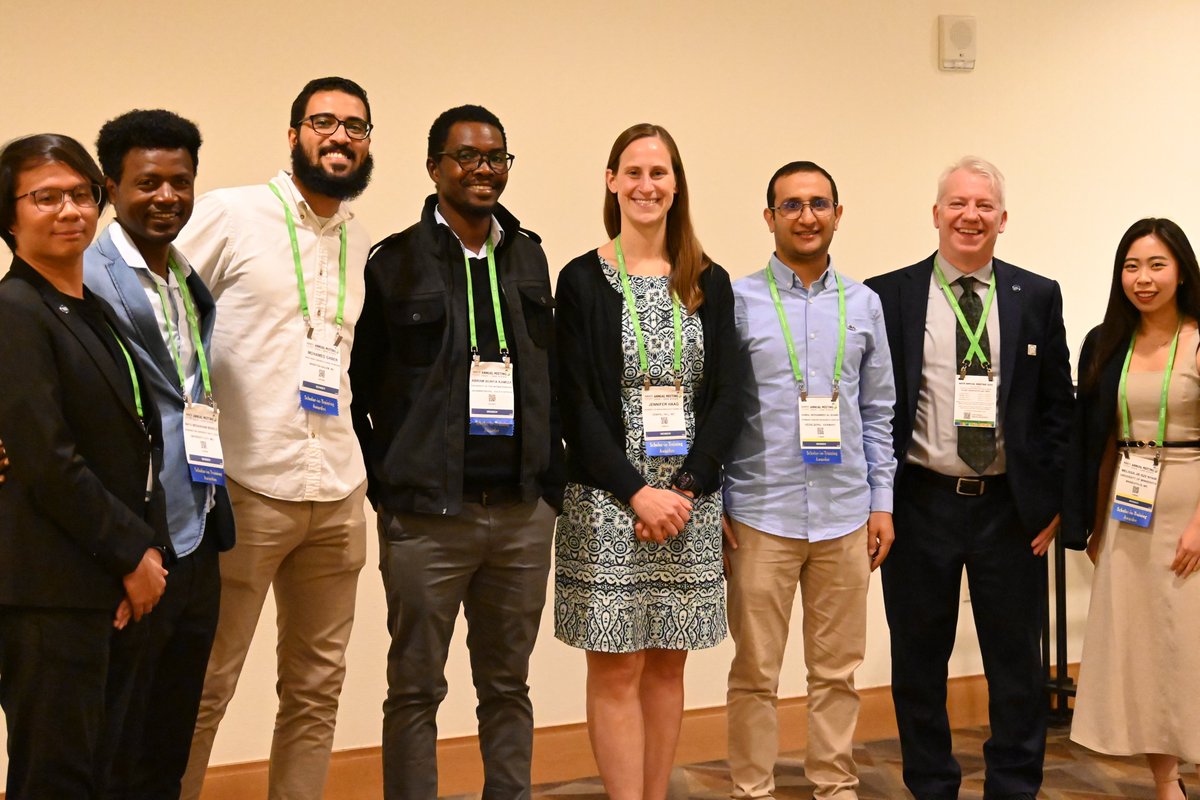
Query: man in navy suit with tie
{"points": [[163, 308], [983, 399]]}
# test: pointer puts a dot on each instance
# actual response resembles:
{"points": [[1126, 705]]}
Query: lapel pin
{"points": [[1031, 349], [1016, 287], [64, 309]]}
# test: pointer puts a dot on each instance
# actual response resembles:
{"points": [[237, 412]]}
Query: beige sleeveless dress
{"points": [[1139, 680]]}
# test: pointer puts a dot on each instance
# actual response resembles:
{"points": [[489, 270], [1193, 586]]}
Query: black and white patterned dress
{"points": [[613, 593]]}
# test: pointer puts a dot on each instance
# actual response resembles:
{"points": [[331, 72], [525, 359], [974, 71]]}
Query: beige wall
{"points": [[1087, 106]]}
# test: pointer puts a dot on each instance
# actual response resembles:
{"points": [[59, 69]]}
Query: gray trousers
{"points": [[493, 561]]}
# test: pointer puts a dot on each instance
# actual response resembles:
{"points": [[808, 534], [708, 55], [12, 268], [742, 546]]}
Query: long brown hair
{"points": [[1121, 318], [684, 252]]}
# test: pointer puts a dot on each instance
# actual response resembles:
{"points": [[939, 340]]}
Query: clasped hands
{"points": [[661, 513], [143, 588]]}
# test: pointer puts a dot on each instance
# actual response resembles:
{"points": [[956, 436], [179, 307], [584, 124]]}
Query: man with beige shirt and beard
{"points": [[284, 261]]}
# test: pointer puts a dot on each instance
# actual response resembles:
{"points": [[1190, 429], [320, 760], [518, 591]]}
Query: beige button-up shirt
{"points": [[237, 240]]}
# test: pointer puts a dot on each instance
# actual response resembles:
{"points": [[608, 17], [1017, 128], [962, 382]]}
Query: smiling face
{"points": [[804, 240], [643, 182], [471, 193], [1150, 276], [969, 217], [333, 165], [52, 240], [154, 197]]}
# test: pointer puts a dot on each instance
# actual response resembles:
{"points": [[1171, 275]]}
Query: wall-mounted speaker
{"points": [[956, 37]]}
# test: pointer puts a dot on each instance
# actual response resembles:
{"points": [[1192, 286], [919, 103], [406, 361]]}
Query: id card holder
{"points": [[663, 421], [820, 430], [202, 444], [492, 403], [1135, 488], [975, 399], [320, 377]]}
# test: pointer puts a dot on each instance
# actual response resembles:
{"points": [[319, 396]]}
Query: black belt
{"points": [[493, 496], [1152, 443], [975, 486]]}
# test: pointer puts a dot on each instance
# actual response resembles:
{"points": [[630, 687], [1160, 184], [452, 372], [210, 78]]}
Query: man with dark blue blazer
{"points": [[165, 311], [983, 402]]}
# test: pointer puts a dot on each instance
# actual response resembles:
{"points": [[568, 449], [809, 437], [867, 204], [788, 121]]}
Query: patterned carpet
{"points": [[1072, 773]]}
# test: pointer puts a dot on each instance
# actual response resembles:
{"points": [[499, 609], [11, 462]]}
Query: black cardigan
{"points": [[589, 339], [1095, 416]]}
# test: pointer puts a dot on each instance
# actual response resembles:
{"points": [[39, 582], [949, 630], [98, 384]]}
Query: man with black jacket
{"points": [[455, 406]]}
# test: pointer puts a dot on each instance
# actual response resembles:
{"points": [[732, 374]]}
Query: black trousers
{"points": [[938, 534], [151, 755], [53, 683]]}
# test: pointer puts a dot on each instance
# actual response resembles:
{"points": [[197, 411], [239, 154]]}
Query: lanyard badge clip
{"points": [[834, 398]]}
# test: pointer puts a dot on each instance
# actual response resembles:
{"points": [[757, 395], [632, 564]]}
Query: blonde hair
{"points": [[978, 166]]}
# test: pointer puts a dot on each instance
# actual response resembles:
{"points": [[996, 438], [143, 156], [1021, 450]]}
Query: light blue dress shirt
{"points": [[767, 484]]}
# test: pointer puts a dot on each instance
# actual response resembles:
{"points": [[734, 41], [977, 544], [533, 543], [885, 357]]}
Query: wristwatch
{"points": [[684, 481]]}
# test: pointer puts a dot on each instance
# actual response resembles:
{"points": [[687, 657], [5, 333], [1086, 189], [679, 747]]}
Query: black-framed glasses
{"points": [[794, 209], [327, 125], [470, 159], [85, 195]]}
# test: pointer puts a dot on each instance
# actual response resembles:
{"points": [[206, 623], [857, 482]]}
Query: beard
{"points": [[339, 187]]}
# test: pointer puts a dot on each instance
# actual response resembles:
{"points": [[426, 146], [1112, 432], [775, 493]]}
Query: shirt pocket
{"points": [[419, 329], [537, 305]]}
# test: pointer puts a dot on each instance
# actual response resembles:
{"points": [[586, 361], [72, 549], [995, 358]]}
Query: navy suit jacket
{"points": [[1036, 395], [107, 274], [74, 514]]}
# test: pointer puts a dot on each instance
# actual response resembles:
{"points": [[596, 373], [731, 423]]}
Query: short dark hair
{"points": [[154, 129], [330, 84], [791, 169], [439, 132], [28, 152]]}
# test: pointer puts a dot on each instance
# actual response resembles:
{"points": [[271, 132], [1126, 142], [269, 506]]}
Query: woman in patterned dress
{"points": [[650, 407], [1141, 653]]}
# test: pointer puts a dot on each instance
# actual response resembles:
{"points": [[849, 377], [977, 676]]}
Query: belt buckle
{"points": [[970, 487]]}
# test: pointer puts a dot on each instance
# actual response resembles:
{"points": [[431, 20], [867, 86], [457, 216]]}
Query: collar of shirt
{"points": [[953, 273], [133, 257], [788, 280], [497, 234], [300, 206]]}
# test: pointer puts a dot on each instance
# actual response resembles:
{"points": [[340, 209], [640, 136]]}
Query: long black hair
{"points": [[1121, 318]]}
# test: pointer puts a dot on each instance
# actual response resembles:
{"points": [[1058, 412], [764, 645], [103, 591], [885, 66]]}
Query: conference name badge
{"points": [[820, 430], [664, 422], [492, 401], [202, 444], [320, 376], [1136, 486], [975, 400]]}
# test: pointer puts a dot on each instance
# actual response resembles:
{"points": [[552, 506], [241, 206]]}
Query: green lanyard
{"points": [[972, 336], [137, 389], [676, 323], [787, 333], [1162, 404], [193, 326], [341, 306], [495, 284]]}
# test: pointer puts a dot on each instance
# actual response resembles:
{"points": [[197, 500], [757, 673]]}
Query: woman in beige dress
{"points": [[1141, 654]]}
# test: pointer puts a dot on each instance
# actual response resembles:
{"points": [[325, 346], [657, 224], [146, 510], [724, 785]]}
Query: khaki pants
{"points": [[833, 577], [310, 554]]}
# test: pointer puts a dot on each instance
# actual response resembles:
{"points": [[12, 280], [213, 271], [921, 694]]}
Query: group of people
{"points": [[246, 360]]}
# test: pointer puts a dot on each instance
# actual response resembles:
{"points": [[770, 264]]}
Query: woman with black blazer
{"points": [[650, 408], [1133, 473], [83, 532]]}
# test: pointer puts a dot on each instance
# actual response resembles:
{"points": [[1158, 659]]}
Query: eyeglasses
{"points": [[794, 209], [85, 195], [327, 125], [470, 159]]}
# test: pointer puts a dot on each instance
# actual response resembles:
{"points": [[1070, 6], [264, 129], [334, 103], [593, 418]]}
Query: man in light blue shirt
{"points": [[808, 487]]}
